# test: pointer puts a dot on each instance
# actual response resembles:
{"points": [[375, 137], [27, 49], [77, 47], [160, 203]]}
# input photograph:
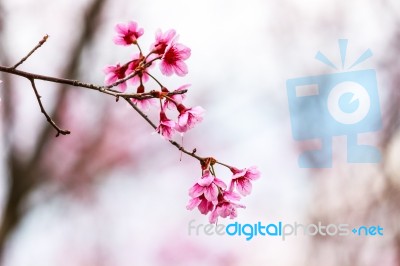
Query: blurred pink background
{"points": [[113, 193]]}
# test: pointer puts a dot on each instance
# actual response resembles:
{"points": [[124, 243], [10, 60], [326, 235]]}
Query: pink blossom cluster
{"points": [[210, 194], [135, 72]]}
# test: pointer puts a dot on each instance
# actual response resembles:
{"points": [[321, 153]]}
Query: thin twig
{"points": [[44, 39], [145, 117], [76, 83], [59, 130]]}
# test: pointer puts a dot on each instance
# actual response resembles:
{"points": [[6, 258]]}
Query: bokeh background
{"points": [[111, 193]]}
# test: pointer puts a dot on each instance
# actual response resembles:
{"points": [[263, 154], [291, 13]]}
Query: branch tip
{"points": [[44, 39]]}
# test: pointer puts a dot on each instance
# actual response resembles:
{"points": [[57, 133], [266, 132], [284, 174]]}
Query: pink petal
{"points": [[132, 26], [239, 173], [205, 206], [224, 210], [193, 203], [140, 32], [110, 79], [108, 69], [244, 186], [231, 196], [196, 190], [198, 111], [219, 183], [182, 119], [121, 28], [233, 214], [166, 68], [120, 41], [184, 51], [165, 130], [253, 173], [168, 123], [180, 68], [211, 192], [213, 217], [169, 35], [122, 87], [206, 179], [232, 185]]}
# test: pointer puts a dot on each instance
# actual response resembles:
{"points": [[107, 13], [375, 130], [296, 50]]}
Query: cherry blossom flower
{"points": [[127, 33], [242, 179], [225, 207], [205, 193], [162, 41], [166, 127], [208, 185], [173, 59], [209, 194], [114, 73], [201, 203], [189, 117]]}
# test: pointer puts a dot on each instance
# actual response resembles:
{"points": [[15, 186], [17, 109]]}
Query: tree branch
{"points": [[103, 89], [51, 122], [32, 51], [76, 83]]}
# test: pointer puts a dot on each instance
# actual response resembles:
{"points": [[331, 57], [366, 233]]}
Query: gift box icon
{"points": [[343, 103]]}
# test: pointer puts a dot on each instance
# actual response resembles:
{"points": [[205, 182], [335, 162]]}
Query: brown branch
{"points": [[76, 83], [127, 96], [51, 122], [42, 41], [32, 77]]}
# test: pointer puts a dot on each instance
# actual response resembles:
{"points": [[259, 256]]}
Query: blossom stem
{"points": [[223, 164], [156, 80], [140, 49]]}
